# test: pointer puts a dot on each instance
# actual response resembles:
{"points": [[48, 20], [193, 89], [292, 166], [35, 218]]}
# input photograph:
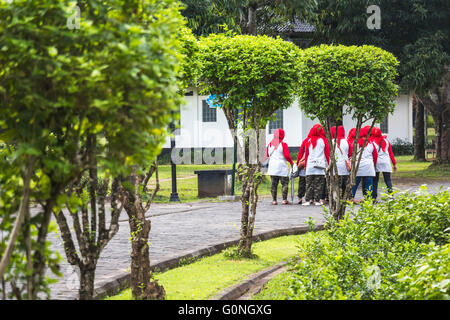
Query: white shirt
{"points": [[366, 166], [302, 172], [277, 162], [316, 154], [341, 157], [384, 160]]}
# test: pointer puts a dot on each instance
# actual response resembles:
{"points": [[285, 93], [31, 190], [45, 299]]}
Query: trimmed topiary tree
{"points": [[361, 78], [261, 74]]}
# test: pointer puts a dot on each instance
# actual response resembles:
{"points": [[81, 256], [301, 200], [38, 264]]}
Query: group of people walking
{"points": [[314, 157]]}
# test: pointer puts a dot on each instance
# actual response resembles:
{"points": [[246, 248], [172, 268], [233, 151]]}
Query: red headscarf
{"points": [[351, 136], [362, 136], [378, 138], [315, 134], [340, 134], [278, 137]]}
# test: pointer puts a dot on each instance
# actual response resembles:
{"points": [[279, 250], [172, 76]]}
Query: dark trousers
{"points": [[315, 187], [325, 189], [367, 186], [387, 180], [301, 187], [284, 186], [343, 181]]}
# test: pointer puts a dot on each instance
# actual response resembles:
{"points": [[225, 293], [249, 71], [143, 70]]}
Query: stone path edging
{"points": [[236, 291], [121, 281]]}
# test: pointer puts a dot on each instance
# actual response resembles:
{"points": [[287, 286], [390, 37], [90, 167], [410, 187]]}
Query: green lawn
{"points": [[187, 180], [210, 275], [407, 168]]}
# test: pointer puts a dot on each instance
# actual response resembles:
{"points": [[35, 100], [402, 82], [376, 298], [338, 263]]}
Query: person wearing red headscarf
{"points": [[350, 140], [385, 156], [278, 153], [366, 170], [341, 153], [301, 166], [316, 153]]}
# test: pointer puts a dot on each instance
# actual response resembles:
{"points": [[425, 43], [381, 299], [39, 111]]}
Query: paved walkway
{"points": [[184, 227]]}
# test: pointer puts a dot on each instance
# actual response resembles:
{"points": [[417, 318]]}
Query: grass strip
{"points": [[208, 276]]}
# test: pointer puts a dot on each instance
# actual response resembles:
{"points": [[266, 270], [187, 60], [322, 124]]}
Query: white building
{"points": [[204, 127]]}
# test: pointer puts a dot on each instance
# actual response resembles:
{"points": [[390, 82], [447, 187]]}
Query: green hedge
{"points": [[398, 249], [402, 147]]}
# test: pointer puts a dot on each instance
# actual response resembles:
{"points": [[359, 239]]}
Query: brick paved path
{"points": [[185, 227]]}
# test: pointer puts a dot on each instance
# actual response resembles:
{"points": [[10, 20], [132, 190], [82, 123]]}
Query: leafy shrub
{"points": [[402, 147], [387, 251], [428, 278]]}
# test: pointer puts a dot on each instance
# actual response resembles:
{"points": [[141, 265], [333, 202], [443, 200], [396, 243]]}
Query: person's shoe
{"points": [[274, 203], [317, 203], [285, 202], [306, 203]]}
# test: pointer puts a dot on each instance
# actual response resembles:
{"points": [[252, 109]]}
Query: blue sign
{"points": [[211, 101]]}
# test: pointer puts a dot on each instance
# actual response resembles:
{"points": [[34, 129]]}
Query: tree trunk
{"points": [[87, 278], [244, 247], [23, 209], [437, 102], [251, 24], [437, 118], [445, 137], [39, 260], [142, 286], [419, 130], [442, 142]]}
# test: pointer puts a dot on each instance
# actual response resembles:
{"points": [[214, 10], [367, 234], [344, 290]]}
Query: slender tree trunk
{"points": [[142, 285], [23, 209], [419, 130], [27, 239], [87, 280], [39, 262], [437, 117], [445, 137], [251, 24], [249, 202], [437, 102]]}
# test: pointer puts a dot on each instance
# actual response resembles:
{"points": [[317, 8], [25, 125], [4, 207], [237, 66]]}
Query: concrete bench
{"points": [[213, 183]]}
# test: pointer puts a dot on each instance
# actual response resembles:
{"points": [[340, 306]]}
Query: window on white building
{"points": [[384, 126], [277, 121], [208, 114]]}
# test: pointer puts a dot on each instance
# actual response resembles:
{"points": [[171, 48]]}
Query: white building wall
{"points": [[292, 125], [194, 133]]}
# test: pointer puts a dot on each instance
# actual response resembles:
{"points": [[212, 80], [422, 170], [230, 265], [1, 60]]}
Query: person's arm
{"points": [[286, 153], [374, 155], [326, 150], [267, 152], [301, 152], [391, 155]]}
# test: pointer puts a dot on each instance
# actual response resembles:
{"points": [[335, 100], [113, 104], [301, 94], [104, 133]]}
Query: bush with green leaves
{"points": [[397, 249], [402, 147]]}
